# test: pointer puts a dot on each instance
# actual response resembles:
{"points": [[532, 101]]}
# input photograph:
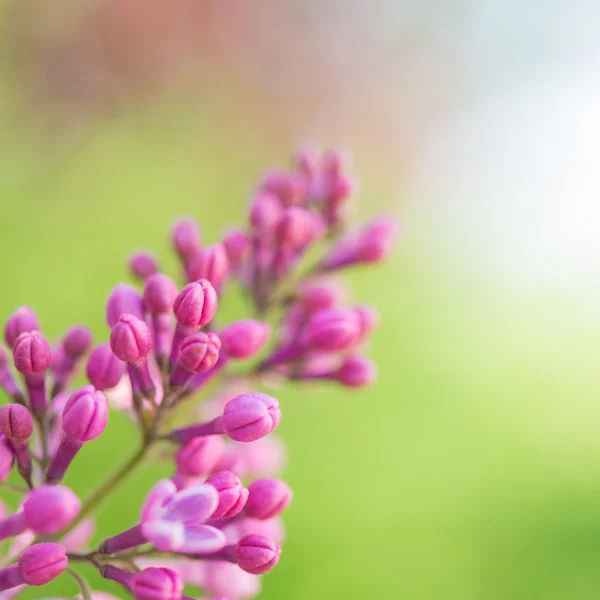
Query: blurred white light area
{"points": [[510, 187]]}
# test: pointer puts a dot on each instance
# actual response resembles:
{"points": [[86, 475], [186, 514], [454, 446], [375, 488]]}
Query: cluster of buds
{"points": [[216, 523]]}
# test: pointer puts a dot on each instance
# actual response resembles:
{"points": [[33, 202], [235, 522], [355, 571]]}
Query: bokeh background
{"points": [[472, 469]]}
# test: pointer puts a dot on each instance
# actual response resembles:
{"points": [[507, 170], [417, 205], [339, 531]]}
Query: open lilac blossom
{"points": [[217, 523]]}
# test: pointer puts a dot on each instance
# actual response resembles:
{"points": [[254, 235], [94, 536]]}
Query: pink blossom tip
{"points": [[77, 342], [50, 508], [257, 554], [185, 237], [123, 299], [32, 352], [199, 352], [85, 415], [156, 583], [22, 320], [265, 212], [160, 292], [16, 422], [200, 455], [196, 304], [236, 245], [130, 339], [333, 329], [357, 371], [244, 339], [41, 563], [143, 264], [104, 370], [210, 263], [249, 417], [232, 494], [268, 498]]}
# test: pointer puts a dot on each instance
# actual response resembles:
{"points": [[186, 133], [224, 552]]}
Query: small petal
{"points": [[195, 504]]}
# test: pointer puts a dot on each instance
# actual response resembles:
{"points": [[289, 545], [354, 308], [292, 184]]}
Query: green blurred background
{"points": [[472, 468]]}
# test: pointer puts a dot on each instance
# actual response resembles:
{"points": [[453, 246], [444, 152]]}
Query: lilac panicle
{"points": [[167, 346]]}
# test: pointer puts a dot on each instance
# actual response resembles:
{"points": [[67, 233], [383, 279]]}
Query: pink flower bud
{"points": [[123, 299], [196, 304], [268, 498], [368, 319], [85, 415], [236, 245], [156, 583], [41, 563], [245, 338], [143, 264], [210, 263], [160, 292], [16, 422], [22, 320], [295, 227], [333, 329], [232, 494], [104, 369], [199, 352], [7, 458], [77, 342], [50, 508], [130, 339], [265, 212], [32, 352], [200, 456], [257, 554], [356, 371], [249, 417], [185, 237], [290, 188]]}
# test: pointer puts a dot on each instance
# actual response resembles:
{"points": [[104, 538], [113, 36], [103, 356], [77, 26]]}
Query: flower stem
{"points": [[84, 586]]}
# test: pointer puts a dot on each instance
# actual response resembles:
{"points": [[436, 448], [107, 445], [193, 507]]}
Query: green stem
{"points": [[111, 483], [84, 586]]}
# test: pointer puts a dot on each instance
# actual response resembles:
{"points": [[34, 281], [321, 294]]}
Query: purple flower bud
{"points": [[196, 304], [333, 329], [200, 456], [160, 292], [290, 188], [7, 458], [356, 371], [41, 563], [249, 417], [375, 241], [124, 299], [130, 339], [368, 319], [199, 352], [32, 352], [7, 379], [16, 422], [257, 554], [265, 212], [295, 227], [185, 237], [85, 415], [210, 263], [156, 583], [143, 264], [268, 498], [245, 338], [104, 369], [77, 342], [236, 245], [50, 508], [232, 494], [22, 320]]}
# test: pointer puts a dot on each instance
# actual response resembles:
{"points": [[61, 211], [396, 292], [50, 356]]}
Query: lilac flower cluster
{"points": [[215, 524]]}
